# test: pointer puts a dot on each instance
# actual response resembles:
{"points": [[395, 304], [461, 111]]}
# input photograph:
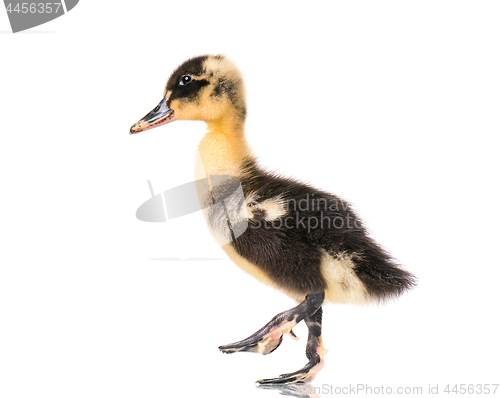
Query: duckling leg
{"points": [[268, 338], [314, 352]]}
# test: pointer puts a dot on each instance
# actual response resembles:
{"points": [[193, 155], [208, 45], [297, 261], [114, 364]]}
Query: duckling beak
{"points": [[162, 114]]}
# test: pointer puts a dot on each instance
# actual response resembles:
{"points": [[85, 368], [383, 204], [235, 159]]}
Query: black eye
{"points": [[186, 79]]}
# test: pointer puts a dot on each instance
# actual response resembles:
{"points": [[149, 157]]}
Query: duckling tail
{"points": [[382, 276]]}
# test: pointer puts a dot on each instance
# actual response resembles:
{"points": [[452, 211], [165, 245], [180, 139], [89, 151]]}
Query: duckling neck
{"points": [[223, 149]]}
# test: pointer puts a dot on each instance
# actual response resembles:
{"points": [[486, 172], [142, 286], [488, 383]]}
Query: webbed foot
{"points": [[264, 341], [304, 375], [315, 353]]}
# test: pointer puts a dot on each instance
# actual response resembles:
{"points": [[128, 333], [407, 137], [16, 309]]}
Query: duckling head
{"points": [[207, 88]]}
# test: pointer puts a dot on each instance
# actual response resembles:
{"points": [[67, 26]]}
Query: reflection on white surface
{"points": [[294, 390]]}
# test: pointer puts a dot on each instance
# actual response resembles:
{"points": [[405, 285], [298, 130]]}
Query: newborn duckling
{"points": [[303, 241]]}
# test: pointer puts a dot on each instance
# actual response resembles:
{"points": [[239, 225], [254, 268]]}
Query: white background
{"points": [[392, 105]]}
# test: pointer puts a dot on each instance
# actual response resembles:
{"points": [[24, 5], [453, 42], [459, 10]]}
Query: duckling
{"points": [[306, 242]]}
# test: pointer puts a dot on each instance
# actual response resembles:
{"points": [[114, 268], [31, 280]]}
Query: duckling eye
{"points": [[186, 79]]}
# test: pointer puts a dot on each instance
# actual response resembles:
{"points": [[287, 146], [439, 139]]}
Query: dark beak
{"points": [[162, 114]]}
